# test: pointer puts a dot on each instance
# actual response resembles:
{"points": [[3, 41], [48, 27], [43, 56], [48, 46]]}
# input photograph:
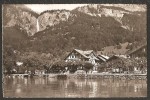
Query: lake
{"points": [[39, 87]]}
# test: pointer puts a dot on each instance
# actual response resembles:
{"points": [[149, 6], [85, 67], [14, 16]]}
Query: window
{"points": [[72, 56], [93, 61]]}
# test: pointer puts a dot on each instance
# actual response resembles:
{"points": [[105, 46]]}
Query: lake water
{"points": [[52, 87]]}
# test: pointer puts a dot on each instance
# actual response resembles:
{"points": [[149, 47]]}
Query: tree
{"points": [[88, 66], [58, 66]]}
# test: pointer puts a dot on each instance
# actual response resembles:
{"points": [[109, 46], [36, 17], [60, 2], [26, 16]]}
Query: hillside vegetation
{"points": [[83, 28]]}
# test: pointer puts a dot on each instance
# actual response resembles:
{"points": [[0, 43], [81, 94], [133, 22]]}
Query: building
{"points": [[102, 58], [19, 63], [116, 63], [120, 49], [138, 52], [114, 57], [80, 55]]}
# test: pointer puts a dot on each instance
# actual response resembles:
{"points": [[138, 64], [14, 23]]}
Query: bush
{"points": [[88, 66]]}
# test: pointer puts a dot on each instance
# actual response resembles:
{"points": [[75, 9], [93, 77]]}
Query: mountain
{"points": [[129, 7], [119, 12], [20, 15], [32, 22], [93, 27], [59, 31], [52, 17]]}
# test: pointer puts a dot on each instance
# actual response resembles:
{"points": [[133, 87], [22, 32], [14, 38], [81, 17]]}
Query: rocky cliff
{"points": [[21, 16], [51, 18], [32, 22], [117, 11]]}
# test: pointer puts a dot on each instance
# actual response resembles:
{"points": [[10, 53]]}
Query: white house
{"points": [[80, 55]]}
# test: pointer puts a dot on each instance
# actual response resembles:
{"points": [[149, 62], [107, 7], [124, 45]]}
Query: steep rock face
{"points": [[129, 7], [51, 18], [114, 10], [100, 10], [124, 14], [19, 15], [31, 22]]}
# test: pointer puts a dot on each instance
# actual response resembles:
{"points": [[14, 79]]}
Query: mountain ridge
{"points": [[31, 17], [73, 29]]}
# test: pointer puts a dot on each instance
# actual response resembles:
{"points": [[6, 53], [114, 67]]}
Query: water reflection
{"points": [[52, 87]]}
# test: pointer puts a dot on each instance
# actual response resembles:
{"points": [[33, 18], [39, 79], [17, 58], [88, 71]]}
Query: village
{"points": [[74, 50], [79, 62]]}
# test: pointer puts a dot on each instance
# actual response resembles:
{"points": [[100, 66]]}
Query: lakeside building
{"points": [[141, 51], [122, 64], [102, 58], [80, 55], [116, 62]]}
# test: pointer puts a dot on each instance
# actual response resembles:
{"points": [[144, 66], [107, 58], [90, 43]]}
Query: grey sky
{"points": [[42, 7]]}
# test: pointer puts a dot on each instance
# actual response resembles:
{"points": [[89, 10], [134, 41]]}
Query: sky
{"points": [[42, 7]]}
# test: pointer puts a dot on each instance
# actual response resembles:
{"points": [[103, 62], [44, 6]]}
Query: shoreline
{"points": [[85, 76]]}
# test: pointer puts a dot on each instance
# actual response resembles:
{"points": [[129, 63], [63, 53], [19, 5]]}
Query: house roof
{"points": [[84, 53], [103, 57], [116, 57], [135, 50], [111, 50]]}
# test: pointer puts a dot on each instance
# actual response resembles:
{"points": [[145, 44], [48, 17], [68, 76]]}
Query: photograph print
{"points": [[74, 50]]}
